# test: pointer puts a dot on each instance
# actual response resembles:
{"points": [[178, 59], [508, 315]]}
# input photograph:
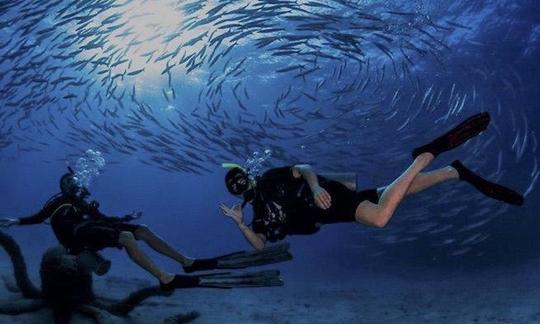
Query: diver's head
{"points": [[71, 187], [237, 181]]}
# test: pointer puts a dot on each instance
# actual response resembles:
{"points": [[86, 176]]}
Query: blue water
{"points": [[480, 56]]}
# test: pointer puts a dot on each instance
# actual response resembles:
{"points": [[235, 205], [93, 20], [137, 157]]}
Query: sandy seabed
{"points": [[510, 295]]}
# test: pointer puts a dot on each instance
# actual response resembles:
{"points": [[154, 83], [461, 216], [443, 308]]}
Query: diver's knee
{"points": [[376, 217], [382, 217], [142, 232], [126, 239], [380, 222]]}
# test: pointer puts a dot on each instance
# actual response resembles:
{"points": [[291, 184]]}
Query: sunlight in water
{"points": [[147, 40], [143, 38]]}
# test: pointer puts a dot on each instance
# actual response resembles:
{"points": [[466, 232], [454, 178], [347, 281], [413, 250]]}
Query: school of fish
{"points": [[343, 85]]}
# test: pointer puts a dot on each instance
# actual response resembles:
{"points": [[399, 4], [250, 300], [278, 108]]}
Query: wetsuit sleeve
{"points": [[96, 214], [39, 217]]}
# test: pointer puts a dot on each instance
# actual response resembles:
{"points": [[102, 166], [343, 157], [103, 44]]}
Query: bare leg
{"points": [[379, 214], [127, 240], [160, 246], [425, 180]]}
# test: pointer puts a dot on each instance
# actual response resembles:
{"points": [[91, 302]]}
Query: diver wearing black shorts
{"points": [[284, 204], [294, 200], [79, 225]]}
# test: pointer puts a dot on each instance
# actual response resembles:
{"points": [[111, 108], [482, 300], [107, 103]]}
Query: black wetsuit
{"points": [[285, 205], [79, 226]]}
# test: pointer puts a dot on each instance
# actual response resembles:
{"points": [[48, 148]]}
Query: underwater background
{"points": [[166, 91]]}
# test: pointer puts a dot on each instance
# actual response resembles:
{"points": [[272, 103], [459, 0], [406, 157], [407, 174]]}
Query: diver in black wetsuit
{"points": [[79, 226], [294, 200]]}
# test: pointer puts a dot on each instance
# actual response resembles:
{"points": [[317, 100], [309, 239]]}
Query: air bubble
{"points": [[255, 162], [88, 166]]}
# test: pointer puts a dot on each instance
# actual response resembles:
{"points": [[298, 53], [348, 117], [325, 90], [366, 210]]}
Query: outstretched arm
{"points": [[321, 196], [93, 207], [37, 218], [33, 219], [256, 240], [8, 222], [126, 218]]}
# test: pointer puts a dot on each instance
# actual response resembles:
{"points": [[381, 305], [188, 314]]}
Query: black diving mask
{"points": [[239, 184], [70, 186]]}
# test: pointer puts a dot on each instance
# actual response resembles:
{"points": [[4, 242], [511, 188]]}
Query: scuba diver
{"points": [[295, 200], [80, 227]]}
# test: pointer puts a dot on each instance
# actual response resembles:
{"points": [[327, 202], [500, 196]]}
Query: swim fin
{"points": [[240, 260], [458, 135], [226, 280], [489, 189], [181, 281]]}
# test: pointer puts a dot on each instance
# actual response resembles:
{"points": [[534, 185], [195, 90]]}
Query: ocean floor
{"points": [[504, 295]]}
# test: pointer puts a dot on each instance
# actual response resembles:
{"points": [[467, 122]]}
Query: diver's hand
{"points": [[8, 222], [322, 197], [235, 212], [133, 215]]}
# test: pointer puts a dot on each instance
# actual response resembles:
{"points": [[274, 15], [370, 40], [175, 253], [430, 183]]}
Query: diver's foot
{"points": [[489, 189], [458, 135], [179, 281], [425, 158], [166, 278], [201, 265]]}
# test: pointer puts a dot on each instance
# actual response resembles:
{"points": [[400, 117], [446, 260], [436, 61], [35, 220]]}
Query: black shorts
{"points": [[344, 202], [98, 235]]}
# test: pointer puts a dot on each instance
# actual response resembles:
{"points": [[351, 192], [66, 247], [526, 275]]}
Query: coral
{"points": [[66, 287]]}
